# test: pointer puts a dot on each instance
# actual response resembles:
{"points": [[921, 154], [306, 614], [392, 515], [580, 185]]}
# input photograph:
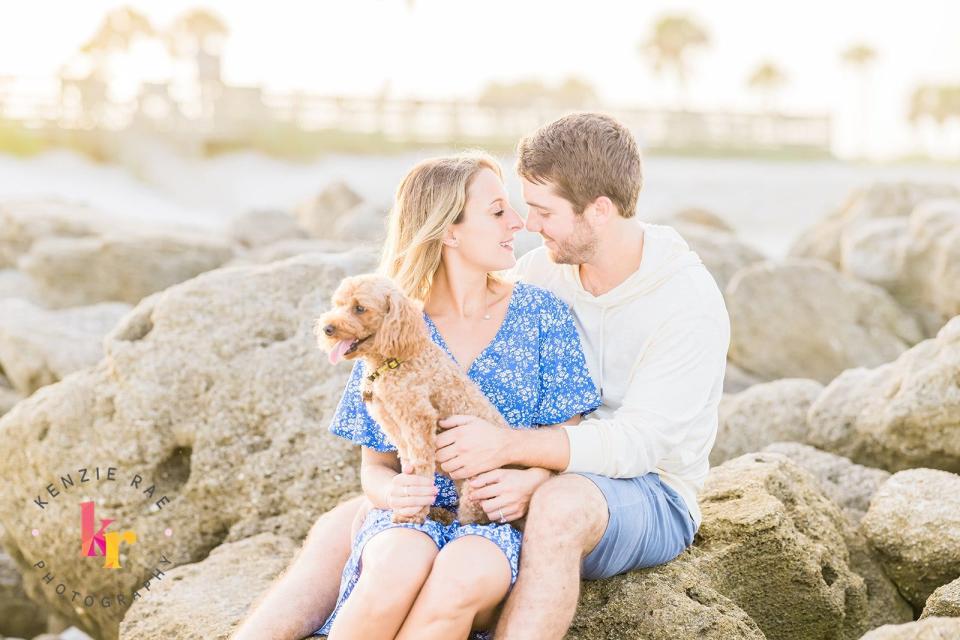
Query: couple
{"points": [[610, 437]]}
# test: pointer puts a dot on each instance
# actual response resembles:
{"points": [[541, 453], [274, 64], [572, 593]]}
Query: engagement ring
{"points": [[502, 519]]}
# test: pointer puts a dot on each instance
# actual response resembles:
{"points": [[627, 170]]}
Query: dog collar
{"points": [[391, 363]]}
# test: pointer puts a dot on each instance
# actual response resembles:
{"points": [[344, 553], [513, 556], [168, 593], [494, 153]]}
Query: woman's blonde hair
{"points": [[429, 199]]}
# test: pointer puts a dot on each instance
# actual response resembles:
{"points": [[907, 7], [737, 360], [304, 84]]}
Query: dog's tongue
{"points": [[336, 354]]}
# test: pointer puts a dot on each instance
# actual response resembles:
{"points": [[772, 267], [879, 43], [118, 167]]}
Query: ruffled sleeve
{"points": [[351, 420], [566, 388]]}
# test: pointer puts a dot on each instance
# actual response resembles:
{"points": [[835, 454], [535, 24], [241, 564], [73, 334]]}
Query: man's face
{"points": [[568, 237]]}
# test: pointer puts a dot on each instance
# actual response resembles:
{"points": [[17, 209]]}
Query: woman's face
{"points": [[484, 235]]}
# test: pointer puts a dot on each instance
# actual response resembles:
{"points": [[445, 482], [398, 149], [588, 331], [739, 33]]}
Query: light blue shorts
{"points": [[649, 525]]}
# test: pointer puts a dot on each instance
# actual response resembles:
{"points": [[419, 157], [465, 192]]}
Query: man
{"points": [[655, 332]]}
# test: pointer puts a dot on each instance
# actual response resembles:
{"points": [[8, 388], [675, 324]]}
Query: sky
{"points": [[452, 48]]}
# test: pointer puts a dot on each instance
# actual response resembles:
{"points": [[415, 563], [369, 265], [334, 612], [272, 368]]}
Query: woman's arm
{"points": [[388, 486]]}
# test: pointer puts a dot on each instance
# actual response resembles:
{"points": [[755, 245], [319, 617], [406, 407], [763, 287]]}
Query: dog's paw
{"points": [[417, 518]]}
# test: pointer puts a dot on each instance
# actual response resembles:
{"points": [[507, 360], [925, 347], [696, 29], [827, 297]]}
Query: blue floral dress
{"points": [[534, 373]]}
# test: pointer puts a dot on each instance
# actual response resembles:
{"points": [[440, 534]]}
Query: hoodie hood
{"points": [[665, 253]]}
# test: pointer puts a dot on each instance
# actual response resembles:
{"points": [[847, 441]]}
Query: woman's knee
{"points": [[470, 573], [399, 554]]}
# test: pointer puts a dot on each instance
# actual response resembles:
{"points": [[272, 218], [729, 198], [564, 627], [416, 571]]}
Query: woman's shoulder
{"points": [[535, 300]]}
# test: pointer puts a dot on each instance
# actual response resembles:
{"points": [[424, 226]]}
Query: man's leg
{"points": [[566, 519], [303, 597]]}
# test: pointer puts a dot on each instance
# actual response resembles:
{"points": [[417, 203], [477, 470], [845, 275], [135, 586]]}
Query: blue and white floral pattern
{"points": [[534, 373]]}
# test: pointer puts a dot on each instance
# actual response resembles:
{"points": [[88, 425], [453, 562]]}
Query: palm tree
{"points": [[199, 34], [668, 47], [860, 57], [767, 79], [119, 29], [115, 35]]}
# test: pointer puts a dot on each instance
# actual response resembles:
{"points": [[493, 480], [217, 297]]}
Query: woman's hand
{"points": [[505, 494], [408, 494]]}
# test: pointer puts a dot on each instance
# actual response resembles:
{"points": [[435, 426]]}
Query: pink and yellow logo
{"points": [[101, 542]]}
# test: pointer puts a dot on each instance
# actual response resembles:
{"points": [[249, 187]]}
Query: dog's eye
{"points": [[359, 309]]}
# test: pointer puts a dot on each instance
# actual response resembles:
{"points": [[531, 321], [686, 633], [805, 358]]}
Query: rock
{"points": [[319, 215], [897, 416], [874, 251], [721, 252], [885, 604], [79, 271], [928, 629], [773, 544], [206, 600], [903, 237], [345, 254], [849, 485], [39, 347], [880, 200], [212, 391], [265, 226], [914, 525], [674, 601], [19, 616], [702, 217], [23, 222], [16, 284], [363, 223], [944, 602], [736, 379], [8, 396], [765, 413], [802, 319]]}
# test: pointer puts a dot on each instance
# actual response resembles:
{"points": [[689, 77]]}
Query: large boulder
{"points": [[39, 347], [851, 486], [763, 414], [261, 227], [19, 616], [776, 546], [23, 222], [802, 319], [914, 525], [904, 237], [364, 223], [722, 252], [214, 393], [674, 601], [16, 284], [319, 215], [119, 267], [927, 629], [897, 416], [8, 395], [944, 602], [879, 200], [206, 600]]}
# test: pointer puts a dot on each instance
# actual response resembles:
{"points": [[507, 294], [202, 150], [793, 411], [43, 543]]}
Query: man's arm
{"points": [[671, 385]]}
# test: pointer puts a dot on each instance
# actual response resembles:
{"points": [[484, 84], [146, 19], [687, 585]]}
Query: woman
{"points": [[451, 228]]}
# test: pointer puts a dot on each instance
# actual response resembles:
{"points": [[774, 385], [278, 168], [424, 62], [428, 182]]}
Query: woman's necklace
{"points": [[486, 304]]}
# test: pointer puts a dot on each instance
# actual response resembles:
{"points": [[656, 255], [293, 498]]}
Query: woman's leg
{"points": [[395, 563], [469, 579], [303, 596]]}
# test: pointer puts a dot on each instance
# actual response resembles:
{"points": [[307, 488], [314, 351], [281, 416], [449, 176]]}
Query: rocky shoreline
{"points": [[831, 510]]}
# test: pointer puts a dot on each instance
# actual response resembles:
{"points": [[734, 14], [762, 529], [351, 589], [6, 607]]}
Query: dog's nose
{"points": [[329, 329]]}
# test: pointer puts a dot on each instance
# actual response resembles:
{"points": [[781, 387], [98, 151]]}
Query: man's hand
{"points": [[507, 491], [470, 446]]}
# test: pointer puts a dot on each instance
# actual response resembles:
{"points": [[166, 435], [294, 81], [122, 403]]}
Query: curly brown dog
{"points": [[412, 384]]}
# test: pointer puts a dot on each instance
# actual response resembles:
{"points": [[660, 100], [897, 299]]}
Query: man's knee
{"points": [[567, 505], [338, 519]]}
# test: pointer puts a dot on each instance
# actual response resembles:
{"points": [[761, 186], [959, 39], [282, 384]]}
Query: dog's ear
{"points": [[401, 327]]}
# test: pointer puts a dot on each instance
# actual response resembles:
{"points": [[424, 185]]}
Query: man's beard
{"points": [[578, 248]]}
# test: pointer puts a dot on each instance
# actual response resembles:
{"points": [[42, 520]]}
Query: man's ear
{"points": [[602, 210]]}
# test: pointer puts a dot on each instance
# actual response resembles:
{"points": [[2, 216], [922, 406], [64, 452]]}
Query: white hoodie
{"points": [[656, 346]]}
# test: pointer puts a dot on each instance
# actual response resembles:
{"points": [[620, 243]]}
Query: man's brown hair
{"points": [[585, 156]]}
